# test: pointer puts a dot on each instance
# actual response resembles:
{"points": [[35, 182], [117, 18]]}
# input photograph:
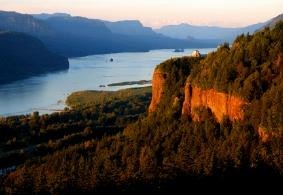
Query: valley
{"points": [[141, 97]]}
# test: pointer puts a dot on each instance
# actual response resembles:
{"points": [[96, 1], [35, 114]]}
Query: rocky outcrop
{"points": [[158, 87], [221, 104]]}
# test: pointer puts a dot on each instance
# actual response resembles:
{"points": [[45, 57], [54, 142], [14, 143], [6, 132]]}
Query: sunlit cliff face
{"points": [[158, 85], [221, 104]]}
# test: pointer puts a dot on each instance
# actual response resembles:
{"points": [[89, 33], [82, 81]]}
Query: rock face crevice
{"points": [[221, 104], [158, 87]]}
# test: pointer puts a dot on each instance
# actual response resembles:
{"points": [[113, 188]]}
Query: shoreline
{"points": [[38, 91], [62, 106]]}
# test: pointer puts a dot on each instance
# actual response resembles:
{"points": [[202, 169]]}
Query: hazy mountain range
{"points": [[78, 36], [271, 23], [187, 31]]}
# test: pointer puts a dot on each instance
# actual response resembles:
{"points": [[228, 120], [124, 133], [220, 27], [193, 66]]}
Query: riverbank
{"points": [[88, 98]]}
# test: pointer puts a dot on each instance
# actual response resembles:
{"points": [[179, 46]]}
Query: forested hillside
{"points": [[251, 69], [166, 149]]}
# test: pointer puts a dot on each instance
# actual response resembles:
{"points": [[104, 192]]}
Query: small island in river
{"points": [[140, 82]]}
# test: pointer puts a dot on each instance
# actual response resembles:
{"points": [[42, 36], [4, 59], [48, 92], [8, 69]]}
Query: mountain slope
{"points": [[13, 21], [22, 56], [129, 27], [271, 23]]}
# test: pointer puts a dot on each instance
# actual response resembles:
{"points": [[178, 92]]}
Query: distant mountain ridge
{"points": [[183, 31], [271, 23], [13, 21], [75, 36], [79, 36], [129, 27], [44, 16], [78, 26]]}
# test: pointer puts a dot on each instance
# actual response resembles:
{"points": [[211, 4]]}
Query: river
{"points": [[47, 93]]}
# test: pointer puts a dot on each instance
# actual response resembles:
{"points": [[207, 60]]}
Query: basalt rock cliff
{"points": [[158, 83], [221, 104]]}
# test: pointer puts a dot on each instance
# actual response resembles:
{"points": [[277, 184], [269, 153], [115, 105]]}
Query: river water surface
{"points": [[47, 93]]}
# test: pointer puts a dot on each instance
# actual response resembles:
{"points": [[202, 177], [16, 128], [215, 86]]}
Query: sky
{"points": [[156, 13]]}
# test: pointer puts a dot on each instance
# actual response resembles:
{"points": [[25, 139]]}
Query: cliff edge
{"points": [[158, 85]]}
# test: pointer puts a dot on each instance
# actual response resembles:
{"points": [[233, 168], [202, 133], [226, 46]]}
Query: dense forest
{"points": [[108, 142]]}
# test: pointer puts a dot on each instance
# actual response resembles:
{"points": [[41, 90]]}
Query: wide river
{"points": [[47, 93]]}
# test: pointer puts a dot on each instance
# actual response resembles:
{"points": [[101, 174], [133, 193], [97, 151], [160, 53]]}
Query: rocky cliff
{"points": [[221, 104], [158, 82]]}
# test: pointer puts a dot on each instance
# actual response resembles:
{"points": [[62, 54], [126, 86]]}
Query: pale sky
{"points": [[155, 13]]}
